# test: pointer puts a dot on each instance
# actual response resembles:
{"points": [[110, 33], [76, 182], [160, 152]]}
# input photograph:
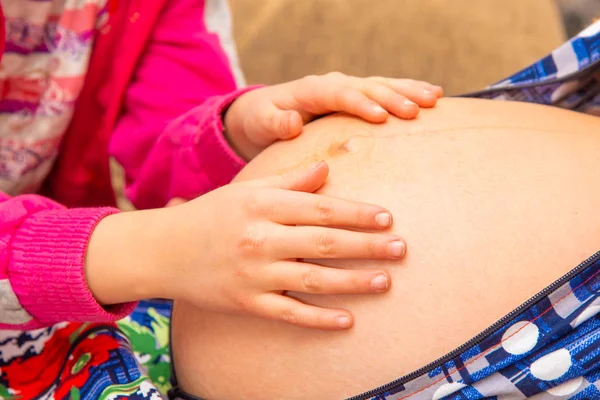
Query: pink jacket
{"points": [[156, 89]]}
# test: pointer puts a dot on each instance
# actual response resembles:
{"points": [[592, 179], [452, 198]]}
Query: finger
{"points": [[322, 95], [389, 99], [296, 208], [278, 124], [415, 91], [420, 92], [175, 202], [304, 277], [435, 89], [305, 180], [319, 242], [282, 308]]}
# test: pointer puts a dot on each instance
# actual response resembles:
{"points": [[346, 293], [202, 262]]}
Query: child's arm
{"points": [[42, 279], [169, 138], [64, 265]]}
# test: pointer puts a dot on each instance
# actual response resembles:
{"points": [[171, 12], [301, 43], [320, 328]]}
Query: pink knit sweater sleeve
{"points": [[169, 138], [42, 251]]}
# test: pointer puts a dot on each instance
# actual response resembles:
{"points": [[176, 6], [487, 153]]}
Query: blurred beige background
{"points": [[462, 45]]}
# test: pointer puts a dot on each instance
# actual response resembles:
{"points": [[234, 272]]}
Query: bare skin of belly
{"points": [[495, 200]]}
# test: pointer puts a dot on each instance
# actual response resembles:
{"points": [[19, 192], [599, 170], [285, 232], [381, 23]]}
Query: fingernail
{"points": [[383, 219], [409, 103], [378, 109], [429, 93], [380, 282], [396, 249], [343, 322]]}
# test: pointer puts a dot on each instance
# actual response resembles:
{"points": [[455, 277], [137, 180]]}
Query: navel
{"points": [[348, 146]]}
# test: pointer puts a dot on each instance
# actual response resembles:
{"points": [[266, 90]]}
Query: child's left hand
{"points": [[262, 116]]}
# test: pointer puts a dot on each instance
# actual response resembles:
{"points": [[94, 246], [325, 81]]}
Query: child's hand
{"points": [[262, 116], [237, 249]]}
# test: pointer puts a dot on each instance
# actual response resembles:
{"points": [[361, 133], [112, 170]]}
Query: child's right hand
{"points": [[236, 249]]}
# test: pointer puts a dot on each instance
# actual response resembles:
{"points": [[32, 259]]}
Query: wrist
{"points": [[120, 262]]}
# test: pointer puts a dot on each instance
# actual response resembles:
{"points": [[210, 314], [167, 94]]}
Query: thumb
{"points": [[280, 124], [303, 180]]}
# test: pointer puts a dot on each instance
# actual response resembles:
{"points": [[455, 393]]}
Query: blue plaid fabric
{"points": [[550, 350], [567, 78]]}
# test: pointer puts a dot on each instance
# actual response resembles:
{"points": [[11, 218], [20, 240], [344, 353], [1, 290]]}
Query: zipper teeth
{"points": [[535, 84], [483, 335]]}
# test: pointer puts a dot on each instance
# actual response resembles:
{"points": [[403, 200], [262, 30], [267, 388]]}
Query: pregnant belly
{"points": [[495, 200]]}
